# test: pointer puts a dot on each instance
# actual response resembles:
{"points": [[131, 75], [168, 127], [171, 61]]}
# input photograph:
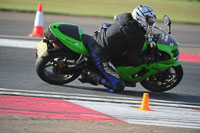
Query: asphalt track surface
{"points": [[18, 73]]}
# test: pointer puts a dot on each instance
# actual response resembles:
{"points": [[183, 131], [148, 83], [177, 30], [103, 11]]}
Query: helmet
{"points": [[145, 16]]}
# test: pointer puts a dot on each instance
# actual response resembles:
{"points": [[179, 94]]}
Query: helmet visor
{"points": [[150, 21]]}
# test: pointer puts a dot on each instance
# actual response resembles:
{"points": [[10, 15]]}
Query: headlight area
{"points": [[176, 54]]}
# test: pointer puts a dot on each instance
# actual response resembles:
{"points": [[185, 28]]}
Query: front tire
{"points": [[164, 81], [49, 67]]}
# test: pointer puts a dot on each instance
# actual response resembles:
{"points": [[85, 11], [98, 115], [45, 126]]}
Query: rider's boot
{"points": [[110, 78], [96, 79], [113, 81], [93, 78], [88, 77]]}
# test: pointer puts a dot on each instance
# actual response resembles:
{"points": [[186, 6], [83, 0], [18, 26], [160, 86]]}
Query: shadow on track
{"points": [[170, 97]]}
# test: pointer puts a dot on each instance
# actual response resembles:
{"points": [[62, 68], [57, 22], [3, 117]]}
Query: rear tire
{"points": [[164, 81], [48, 67]]}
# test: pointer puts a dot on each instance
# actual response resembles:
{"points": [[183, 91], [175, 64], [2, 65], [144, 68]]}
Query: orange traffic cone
{"points": [[145, 103], [38, 24]]}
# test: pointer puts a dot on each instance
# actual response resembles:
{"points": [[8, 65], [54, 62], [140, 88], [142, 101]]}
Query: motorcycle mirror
{"points": [[168, 22]]}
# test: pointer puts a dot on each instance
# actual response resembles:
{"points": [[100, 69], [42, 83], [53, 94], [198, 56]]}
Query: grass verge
{"points": [[183, 11]]}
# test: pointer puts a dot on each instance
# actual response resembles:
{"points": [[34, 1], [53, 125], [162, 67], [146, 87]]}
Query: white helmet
{"points": [[145, 16]]}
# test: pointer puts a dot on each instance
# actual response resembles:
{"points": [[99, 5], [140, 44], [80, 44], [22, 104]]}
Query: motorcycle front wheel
{"points": [[164, 81], [51, 66]]}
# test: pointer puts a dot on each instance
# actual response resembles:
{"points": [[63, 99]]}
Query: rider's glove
{"points": [[152, 44], [150, 40]]}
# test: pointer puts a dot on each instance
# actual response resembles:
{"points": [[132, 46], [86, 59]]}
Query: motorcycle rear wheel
{"points": [[164, 81], [48, 68]]}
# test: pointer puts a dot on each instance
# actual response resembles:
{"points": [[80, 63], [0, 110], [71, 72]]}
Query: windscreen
{"points": [[164, 37], [167, 40]]}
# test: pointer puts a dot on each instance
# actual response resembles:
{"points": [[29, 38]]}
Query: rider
{"points": [[127, 33]]}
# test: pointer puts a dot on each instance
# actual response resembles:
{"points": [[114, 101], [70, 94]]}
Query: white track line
{"points": [[96, 98], [18, 43]]}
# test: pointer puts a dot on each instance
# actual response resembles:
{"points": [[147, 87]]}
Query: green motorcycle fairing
{"points": [[71, 36], [167, 44]]}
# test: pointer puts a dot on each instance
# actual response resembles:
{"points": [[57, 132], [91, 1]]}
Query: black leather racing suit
{"points": [[125, 34]]}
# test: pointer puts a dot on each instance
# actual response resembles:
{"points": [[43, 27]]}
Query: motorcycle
{"points": [[62, 57]]}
